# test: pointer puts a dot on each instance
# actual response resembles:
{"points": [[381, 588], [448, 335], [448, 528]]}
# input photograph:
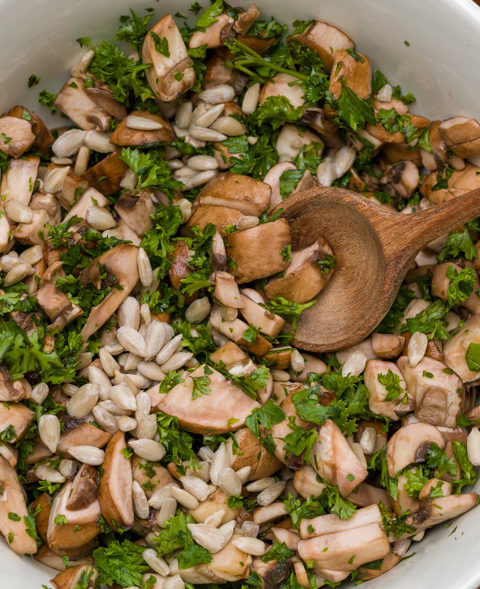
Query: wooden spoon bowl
{"points": [[374, 249]]}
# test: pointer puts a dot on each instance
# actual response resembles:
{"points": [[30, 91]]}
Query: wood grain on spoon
{"points": [[373, 247]]}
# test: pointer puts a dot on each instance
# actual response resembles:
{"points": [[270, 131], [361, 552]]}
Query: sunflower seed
{"points": [[252, 546], [168, 349], [326, 173], [49, 431], [81, 163], [143, 405], [145, 313], [105, 419], [160, 495], [39, 393], [260, 485], [151, 370], [216, 94], [174, 582], [206, 453], [108, 362], [417, 346], [385, 93], [216, 518], [144, 267], [131, 340], [83, 401], [155, 338], [250, 99], [46, 473], [126, 424], [129, 313], [368, 440], [122, 396], [228, 126], [87, 454], [69, 389], [199, 179], [147, 427], [206, 117], [154, 562], [244, 473], [250, 529], [176, 361], [18, 212], [99, 218], [98, 377], [210, 537], [54, 179], [230, 482], [203, 162], [148, 449], [183, 116], [68, 143], [185, 207], [100, 142], [354, 364], [142, 123], [31, 255], [166, 511], [185, 498], [343, 160], [297, 361], [195, 486], [140, 503], [18, 273], [198, 310], [268, 495], [112, 408], [280, 375], [473, 446], [67, 467], [82, 65], [129, 181], [220, 462], [10, 260], [206, 134]]}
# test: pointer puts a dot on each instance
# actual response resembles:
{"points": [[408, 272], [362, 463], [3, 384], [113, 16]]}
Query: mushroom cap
{"points": [[115, 491], [14, 502], [461, 135], [108, 173], [126, 136], [410, 444], [456, 347], [257, 252], [215, 34], [252, 453], [43, 137], [121, 262], [223, 410], [135, 208], [16, 136], [84, 488]]}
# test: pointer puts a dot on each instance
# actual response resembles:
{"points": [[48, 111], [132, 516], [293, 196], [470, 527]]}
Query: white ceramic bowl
{"points": [[439, 66]]}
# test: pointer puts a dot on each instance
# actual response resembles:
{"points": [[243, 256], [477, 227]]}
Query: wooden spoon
{"points": [[374, 249]]}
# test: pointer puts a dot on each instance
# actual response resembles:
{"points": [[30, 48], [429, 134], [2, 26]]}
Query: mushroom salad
{"points": [[158, 428]]}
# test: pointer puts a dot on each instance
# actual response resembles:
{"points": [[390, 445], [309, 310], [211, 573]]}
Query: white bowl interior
{"points": [[439, 66]]}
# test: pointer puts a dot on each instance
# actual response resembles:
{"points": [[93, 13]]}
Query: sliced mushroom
{"points": [[43, 137], [135, 208], [80, 433], [444, 486], [215, 502], [404, 502], [459, 183], [122, 231], [104, 98], [353, 71], [292, 139], [226, 290], [245, 19], [107, 175], [306, 482], [441, 282], [215, 34], [228, 354], [281, 430], [230, 563], [273, 177], [150, 476], [410, 445], [312, 364], [461, 135], [303, 279], [19, 180], [289, 537], [335, 461], [315, 118], [17, 416], [76, 104], [394, 152], [115, 491], [365, 495], [74, 577], [84, 488], [128, 136], [12, 501], [218, 73], [456, 348], [235, 330], [331, 523], [170, 75], [278, 358], [75, 528], [387, 345], [388, 562], [12, 391], [49, 558], [272, 573], [438, 510], [283, 85], [257, 252], [223, 409], [220, 216], [16, 136], [378, 392], [121, 262], [438, 398], [269, 323], [247, 451], [326, 40], [243, 193], [52, 300]]}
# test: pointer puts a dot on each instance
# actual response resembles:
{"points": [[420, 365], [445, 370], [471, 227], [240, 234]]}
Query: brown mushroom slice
{"points": [[273, 177], [306, 482], [243, 193], [226, 290], [354, 71], [215, 502], [228, 354], [126, 136], [90, 197], [84, 488], [16, 416], [438, 399], [303, 278], [278, 358], [219, 216], [215, 34], [377, 392], [19, 180], [410, 445], [170, 75], [12, 391], [459, 183], [16, 136], [456, 348], [325, 40], [75, 528], [331, 523], [272, 573], [77, 105], [76, 576], [41, 507], [222, 410], [281, 430], [247, 451], [269, 323], [441, 283], [315, 118], [365, 495], [43, 137], [438, 510], [387, 345], [115, 491], [347, 549], [246, 19], [104, 98], [388, 562], [150, 476], [230, 563], [462, 136], [80, 433], [335, 461], [218, 73], [235, 329], [135, 208], [394, 152], [52, 300], [179, 268], [107, 174], [51, 559], [121, 262], [283, 85], [73, 187], [14, 529], [257, 252]]}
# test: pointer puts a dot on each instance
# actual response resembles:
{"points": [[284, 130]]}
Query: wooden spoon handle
{"points": [[412, 232]]}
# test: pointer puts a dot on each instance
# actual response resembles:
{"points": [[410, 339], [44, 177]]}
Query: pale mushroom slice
{"points": [[410, 445], [273, 179], [16, 416], [331, 523], [126, 135], [76, 104], [365, 495], [223, 409], [245, 19], [303, 278], [441, 283], [12, 390], [292, 139], [257, 252], [247, 451], [52, 300], [115, 491], [325, 40], [69, 529], [80, 433], [121, 262], [353, 71], [231, 564], [307, 482], [76, 576], [215, 34], [314, 117], [16, 136], [19, 180], [388, 562], [235, 330], [90, 197], [158, 476], [170, 75], [43, 137], [243, 193], [135, 208], [226, 290], [215, 502], [107, 175], [437, 391], [50, 559], [283, 85], [378, 392], [335, 461], [455, 349], [12, 501], [269, 323], [280, 430], [229, 354], [438, 510], [462, 136]]}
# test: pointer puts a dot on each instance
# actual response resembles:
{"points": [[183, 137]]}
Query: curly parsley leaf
{"points": [[120, 562], [459, 243], [461, 285], [208, 16], [267, 415]]}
